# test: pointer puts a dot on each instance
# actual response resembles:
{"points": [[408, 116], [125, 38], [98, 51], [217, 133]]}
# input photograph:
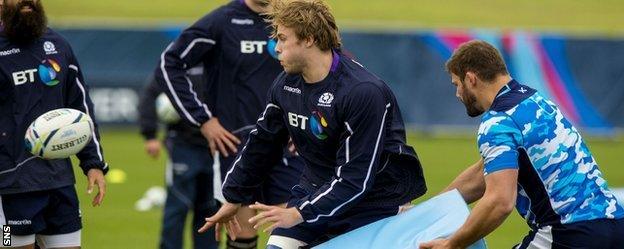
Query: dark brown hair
{"points": [[478, 57]]}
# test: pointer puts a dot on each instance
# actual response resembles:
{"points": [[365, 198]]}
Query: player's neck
{"points": [[255, 7], [494, 88], [319, 65]]}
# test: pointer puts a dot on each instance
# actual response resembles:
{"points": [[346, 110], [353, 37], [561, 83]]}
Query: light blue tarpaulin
{"points": [[438, 217]]}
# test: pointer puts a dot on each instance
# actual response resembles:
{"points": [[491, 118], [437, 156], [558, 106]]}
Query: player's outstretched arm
{"points": [[470, 183], [497, 202]]}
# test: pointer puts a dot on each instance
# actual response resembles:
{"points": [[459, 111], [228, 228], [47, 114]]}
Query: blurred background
{"points": [[570, 50]]}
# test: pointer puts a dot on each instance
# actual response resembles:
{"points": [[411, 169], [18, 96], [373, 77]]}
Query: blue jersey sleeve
{"points": [[499, 139]]}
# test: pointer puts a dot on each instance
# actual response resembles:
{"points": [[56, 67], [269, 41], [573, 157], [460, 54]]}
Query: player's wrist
{"points": [[454, 242], [296, 214]]}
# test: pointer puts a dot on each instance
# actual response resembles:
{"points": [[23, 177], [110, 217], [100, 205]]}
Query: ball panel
{"points": [[59, 133], [67, 141]]}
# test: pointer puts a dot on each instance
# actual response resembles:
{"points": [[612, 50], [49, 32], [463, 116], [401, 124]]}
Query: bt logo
{"points": [[297, 120], [317, 122], [25, 76], [250, 47], [48, 72]]}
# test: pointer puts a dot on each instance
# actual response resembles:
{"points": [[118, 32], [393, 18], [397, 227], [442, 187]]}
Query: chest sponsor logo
{"points": [[47, 71], [292, 89], [317, 123], [325, 100], [10, 52], [250, 47], [259, 47], [49, 48], [242, 21]]}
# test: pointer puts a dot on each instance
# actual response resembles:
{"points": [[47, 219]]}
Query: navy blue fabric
{"points": [[48, 212], [191, 190], [276, 188], [349, 130]]}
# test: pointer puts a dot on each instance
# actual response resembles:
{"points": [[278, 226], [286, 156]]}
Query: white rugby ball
{"points": [[59, 133], [165, 110]]}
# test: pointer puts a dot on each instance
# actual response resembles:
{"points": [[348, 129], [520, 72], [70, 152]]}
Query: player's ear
{"points": [[308, 41], [471, 79]]}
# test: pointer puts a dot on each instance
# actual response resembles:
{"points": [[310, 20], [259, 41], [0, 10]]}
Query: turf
{"points": [[578, 16], [117, 225]]}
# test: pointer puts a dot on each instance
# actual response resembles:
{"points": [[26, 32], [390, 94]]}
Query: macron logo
{"points": [[292, 89], [242, 21], [10, 52]]}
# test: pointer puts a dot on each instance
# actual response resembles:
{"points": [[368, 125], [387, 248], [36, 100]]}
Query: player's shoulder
{"points": [[493, 122], [354, 72], [218, 16], [54, 36], [355, 78]]}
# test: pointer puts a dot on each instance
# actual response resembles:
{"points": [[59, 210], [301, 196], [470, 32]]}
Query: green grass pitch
{"points": [[577, 16]]}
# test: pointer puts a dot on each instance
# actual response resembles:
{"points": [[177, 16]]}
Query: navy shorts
{"points": [[593, 234], [48, 212], [319, 232], [282, 178]]}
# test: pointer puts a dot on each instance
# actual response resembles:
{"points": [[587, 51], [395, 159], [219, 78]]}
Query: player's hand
{"points": [[405, 207], [152, 147], [291, 147], [279, 216], [96, 177], [219, 138], [437, 244], [226, 216]]}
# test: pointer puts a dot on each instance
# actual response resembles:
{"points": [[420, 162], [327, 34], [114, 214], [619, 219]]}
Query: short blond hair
{"points": [[309, 19]]}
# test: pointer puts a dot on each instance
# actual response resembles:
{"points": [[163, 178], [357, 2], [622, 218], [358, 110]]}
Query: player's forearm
{"points": [[487, 215], [470, 183]]}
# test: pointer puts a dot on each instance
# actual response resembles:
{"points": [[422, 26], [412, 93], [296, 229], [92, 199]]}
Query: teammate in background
{"points": [[37, 197], [533, 158], [188, 176], [345, 123], [234, 44]]}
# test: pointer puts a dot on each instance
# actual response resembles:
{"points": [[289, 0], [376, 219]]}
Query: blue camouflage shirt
{"points": [[558, 181]]}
